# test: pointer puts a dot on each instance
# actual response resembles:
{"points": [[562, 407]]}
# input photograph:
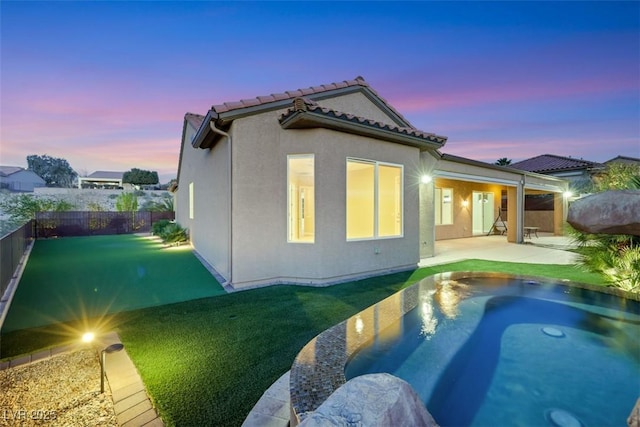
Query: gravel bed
{"points": [[63, 390]]}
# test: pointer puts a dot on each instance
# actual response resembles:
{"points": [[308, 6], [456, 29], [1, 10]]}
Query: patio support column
{"points": [[515, 213], [559, 213], [520, 215], [427, 219]]}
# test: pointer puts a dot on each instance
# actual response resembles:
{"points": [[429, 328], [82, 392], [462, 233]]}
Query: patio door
{"points": [[483, 212]]}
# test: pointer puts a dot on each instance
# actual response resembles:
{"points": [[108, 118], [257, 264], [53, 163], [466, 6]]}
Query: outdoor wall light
{"points": [[425, 179], [113, 348], [567, 194], [465, 203]]}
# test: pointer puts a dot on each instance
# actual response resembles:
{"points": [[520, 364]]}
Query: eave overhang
{"points": [[328, 119]]}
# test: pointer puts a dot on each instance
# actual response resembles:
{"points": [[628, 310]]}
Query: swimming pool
{"points": [[502, 350]]}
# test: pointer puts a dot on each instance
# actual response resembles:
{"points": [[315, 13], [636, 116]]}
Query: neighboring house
{"points": [[329, 184], [15, 178], [625, 160], [101, 179], [578, 172]]}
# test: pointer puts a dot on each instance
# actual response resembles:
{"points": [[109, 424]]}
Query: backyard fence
{"points": [[67, 224], [12, 247]]}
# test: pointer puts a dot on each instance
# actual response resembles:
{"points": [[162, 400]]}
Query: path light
{"points": [[113, 348], [88, 337]]}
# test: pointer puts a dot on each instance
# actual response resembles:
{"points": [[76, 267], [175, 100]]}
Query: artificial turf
{"points": [[207, 361], [77, 278]]}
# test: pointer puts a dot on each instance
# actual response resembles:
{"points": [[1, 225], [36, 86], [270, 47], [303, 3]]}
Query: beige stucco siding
{"points": [[261, 253], [209, 228], [358, 105]]}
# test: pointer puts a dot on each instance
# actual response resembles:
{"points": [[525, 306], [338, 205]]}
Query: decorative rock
{"points": [[634, 417], [609, 212], [372, 400]]}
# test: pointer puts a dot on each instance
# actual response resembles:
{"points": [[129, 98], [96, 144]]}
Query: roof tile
{"points": [[312, 106], [552, 163]]}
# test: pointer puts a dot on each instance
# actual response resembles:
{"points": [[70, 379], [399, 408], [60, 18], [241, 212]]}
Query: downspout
{"points": [[230, 211]]}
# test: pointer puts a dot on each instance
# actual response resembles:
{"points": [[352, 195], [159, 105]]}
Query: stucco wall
{"points": [[463, 216], [357, 104], [209, 228], [261, 253]]}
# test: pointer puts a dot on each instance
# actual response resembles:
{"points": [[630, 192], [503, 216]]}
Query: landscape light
{"points": [[88, 337], [113, 348]]}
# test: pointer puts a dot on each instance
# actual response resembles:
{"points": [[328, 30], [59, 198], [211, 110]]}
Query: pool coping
{"points": [[318, 369]]}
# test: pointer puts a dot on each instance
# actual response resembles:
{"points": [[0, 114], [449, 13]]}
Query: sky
{"points": [[105, 85]]}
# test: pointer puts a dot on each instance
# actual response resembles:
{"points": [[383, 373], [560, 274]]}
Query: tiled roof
{"points": [[106, 175], [623, 159], [276, 97], [546, 163], [9, 170], [302, 104], [194, 119]]}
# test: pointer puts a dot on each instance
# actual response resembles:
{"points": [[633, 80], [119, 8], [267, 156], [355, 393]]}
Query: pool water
{"points": [[497, 351]]}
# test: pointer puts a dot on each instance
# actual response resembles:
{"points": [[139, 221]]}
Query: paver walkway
{"points": [[131, 403]]}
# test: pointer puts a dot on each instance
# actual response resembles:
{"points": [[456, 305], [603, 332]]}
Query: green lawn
{"points": [[77, 278], [207, 361]]}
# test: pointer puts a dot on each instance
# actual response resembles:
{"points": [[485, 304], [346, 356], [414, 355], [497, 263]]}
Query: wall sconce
{"points": [[425, 179], [465, 203]]}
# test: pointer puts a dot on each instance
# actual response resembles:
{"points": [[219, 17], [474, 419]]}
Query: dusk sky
{"points": [[106, 85]]}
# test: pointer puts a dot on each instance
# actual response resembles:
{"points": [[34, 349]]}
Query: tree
{"points": [[503, 161], [140, 177], [55, 171], [23, 207], [618, 176], [127, 202]]}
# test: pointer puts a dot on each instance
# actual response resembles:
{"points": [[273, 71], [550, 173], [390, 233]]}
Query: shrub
{"points": [[616, 257], [170, 232], [158, 227], [174, 234]]}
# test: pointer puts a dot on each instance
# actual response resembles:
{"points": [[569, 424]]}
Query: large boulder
{"points": [[372, 400], [609, 212]]}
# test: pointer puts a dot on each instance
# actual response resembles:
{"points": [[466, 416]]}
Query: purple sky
{"points": [[105, 85]]}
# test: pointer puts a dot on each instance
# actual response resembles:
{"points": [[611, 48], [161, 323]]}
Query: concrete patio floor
{"points": [[545, 249], [272, 409]]}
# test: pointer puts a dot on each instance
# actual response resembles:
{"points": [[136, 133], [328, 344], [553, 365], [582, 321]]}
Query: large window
{"points": [[444, 206], [374, 200], [301, 198]]}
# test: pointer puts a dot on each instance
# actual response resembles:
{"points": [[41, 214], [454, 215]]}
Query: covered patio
{"points": [[473, 198]]}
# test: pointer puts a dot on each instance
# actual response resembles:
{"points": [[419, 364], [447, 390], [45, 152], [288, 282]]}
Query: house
{"points": [[15, 178], [625, 160], [328, 184], [101, 179], [578, 172]]}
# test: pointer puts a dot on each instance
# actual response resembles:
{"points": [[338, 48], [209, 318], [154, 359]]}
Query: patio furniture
{"points": [[529, 230]]}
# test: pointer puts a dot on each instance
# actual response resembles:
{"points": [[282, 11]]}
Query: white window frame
{"points": [[289, 225], [376, 164], [439, 203]]}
